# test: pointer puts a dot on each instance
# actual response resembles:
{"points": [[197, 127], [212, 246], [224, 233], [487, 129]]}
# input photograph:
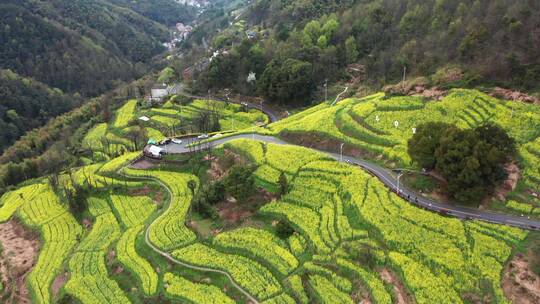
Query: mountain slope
{"points": [[26, 104], [488, 42], [78, 46], [167, 12]]}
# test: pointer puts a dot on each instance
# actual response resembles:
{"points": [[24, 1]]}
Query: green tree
{"points": [[284, 229], [330, 28], [322, 42], [287, 82], [472, 160], [192, 185], [240, 183], [421, 147], [283, 184], [312, 30], [351, 49], [207, 197], [168, 75]]}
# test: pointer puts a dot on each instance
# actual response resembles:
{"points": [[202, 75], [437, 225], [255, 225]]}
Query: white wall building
{"points": [[158, 91]]}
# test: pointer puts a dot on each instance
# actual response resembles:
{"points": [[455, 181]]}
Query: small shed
{"points": [[144, 118]]}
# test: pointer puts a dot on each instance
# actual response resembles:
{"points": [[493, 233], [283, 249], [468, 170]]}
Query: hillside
{"points": [[332, 232], [86, 47], [166, 12], [216, 171], [378, 128], [489, 42], [26, 104], [78, 48]]}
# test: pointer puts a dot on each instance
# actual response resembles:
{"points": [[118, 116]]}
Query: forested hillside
{"points": [[167, 12], [82, 46], [491, 42], [26, 104]]}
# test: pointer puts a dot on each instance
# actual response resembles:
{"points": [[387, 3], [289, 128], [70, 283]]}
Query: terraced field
{"points": [[370, 123], [379, 128], [135, 240], [180, 117], [107, 141]]}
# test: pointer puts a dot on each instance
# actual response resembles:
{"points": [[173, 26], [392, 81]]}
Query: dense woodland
{"points": [[26, 104], [58, 52], [167, 12], [493, 42], [87, 46]]}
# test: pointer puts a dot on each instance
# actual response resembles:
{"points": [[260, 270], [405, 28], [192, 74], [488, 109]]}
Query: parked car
{"points": [[165, 142], [177, 141], [203, 136]]}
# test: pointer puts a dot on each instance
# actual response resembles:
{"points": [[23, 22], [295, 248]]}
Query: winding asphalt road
{"points": [[390, 180]]}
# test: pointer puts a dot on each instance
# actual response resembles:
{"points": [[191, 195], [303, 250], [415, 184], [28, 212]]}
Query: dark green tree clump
{"points": [[471, 160], [207, 197], [283, 184], [240, 182], [288, 82], [284, 230]]}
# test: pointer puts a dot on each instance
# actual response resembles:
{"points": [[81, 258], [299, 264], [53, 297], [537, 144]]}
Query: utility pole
{"points": [[404, 73], [325, 90]]}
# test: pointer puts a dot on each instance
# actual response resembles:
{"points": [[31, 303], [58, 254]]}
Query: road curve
{"points": [[390, 181], [168, 256], [272, 116]]}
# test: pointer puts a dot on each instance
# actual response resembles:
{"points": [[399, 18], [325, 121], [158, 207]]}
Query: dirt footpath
{"points": [[20, 249]]}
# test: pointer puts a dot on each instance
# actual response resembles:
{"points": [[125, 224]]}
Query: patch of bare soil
{"points": [[144, 191], [416, 89], [159, 198], [402, 296], [520, 284], [87, 223], [58, 282], [360, 294], [439, 196], [216, 172], [510, 183], [20, 248], [514, 95], [143, 164], [235, 213]]}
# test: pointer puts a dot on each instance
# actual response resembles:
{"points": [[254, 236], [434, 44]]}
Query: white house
{"points": [[158, 91]]}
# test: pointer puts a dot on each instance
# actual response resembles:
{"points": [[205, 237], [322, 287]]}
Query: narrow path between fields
{"points": [[168, 255]]}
